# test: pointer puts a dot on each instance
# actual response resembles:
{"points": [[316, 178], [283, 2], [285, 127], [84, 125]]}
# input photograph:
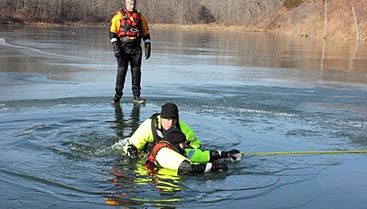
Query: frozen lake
{"points": [[251, 91]]}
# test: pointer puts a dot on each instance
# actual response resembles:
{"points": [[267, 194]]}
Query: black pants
{"points": [[134, 59]]}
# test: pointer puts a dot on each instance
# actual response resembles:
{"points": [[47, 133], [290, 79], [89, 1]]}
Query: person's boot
{"points": [[116, 99], [139, 100]]}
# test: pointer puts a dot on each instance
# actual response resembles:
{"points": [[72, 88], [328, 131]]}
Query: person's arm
{"points": [[142, 135], [114, 29], [191, 138], [198, 155], [115, 26], [168, 158], [187, 167], [205, 156], [145, 27], [146, 36], [233, 155]]}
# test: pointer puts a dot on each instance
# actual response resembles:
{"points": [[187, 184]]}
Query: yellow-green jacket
{"points": [[143, 136]]}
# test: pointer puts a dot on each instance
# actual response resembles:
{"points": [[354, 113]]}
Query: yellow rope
{"points": [[305, 153]]}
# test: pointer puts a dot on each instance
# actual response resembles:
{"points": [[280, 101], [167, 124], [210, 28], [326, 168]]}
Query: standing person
{"points": [[127, 29]]}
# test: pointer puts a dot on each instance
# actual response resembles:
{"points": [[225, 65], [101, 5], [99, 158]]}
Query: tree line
{"points": [[312, 18], [233, 12]]}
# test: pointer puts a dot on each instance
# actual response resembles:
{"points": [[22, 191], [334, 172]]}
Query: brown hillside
{"points": [[307, 19]]}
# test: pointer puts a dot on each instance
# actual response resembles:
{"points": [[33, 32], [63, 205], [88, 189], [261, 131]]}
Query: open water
{"points": [[254, 92]]}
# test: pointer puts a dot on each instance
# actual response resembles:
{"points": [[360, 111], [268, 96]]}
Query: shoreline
{"points": [[201, 27], [216, 27], [208, 27]]}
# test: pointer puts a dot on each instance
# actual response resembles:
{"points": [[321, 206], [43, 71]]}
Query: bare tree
{"points": [[351, 3], [325, 18], [262, 13]]}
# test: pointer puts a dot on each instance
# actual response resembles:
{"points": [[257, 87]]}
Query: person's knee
{"points": [[185, 167], [121, 69], [136, 69]]}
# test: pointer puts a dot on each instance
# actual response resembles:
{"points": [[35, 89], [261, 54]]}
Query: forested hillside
{"points": [[157, 11], [344, 19]]}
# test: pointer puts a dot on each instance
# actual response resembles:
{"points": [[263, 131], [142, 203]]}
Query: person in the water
{"points": [[171, 152], [152, 130]]}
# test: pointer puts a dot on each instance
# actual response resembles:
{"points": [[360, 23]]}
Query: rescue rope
{"points": [[305, 153]]}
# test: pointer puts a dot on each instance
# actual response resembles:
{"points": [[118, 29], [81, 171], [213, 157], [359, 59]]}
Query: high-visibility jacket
{"points": [[198, 155], [143, 135]]}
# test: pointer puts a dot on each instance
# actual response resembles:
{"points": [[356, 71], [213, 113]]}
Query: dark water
{"points": [[251, 91]]}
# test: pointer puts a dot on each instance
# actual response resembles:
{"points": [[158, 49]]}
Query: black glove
{"points": [[132, 151], [219, 167], [116, 49], [234, 154], [147, 50]]}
